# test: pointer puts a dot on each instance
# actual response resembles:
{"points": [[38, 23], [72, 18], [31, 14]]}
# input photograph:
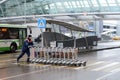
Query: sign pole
{"points": [[42, 25], [42, 38]]}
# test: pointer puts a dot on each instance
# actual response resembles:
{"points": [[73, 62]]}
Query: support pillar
{"points": [[118, 29], [98, 27]]}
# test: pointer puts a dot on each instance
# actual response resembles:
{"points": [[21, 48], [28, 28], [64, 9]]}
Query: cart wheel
{"points": [[84, 63]]}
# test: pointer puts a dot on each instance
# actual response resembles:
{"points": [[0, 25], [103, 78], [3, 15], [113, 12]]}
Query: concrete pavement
{"points": [[103, 45]]}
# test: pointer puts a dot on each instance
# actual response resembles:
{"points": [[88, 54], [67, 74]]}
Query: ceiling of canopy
{"points": [[30, 10]]}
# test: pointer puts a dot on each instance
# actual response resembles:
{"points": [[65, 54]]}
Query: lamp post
{"points": [[25, 12]]}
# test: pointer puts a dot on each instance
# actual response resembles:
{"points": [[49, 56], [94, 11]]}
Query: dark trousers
{"points": [[21, 55]]}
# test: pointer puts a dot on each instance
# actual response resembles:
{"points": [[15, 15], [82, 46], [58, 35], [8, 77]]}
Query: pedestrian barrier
{"points": [[56, 56]]}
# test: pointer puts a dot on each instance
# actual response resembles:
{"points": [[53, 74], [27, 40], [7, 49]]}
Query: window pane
{"points": [[52, 6], [13, 33], [59, 5], [95, 3], [82, 3], [77, 2], [74, 4], [103, 2], [86, 3], [66, 5]]}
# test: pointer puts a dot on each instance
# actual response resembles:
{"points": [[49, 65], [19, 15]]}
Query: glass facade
{"points": [[38, 7]]}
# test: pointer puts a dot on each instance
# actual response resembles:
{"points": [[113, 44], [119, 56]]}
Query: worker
{"points": [[26, 48]]}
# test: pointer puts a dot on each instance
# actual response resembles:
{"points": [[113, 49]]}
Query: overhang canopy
{"points": [[68, 25]]}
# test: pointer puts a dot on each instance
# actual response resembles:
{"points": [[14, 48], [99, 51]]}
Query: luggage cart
{"points": [[67, 56]]}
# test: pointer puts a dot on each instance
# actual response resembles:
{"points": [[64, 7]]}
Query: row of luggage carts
{"points": [[57, 56]]}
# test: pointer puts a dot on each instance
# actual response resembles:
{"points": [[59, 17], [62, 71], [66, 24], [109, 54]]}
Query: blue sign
{"points": [[41, 23]]}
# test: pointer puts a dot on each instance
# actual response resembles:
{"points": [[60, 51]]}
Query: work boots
{"points": [[28, 60]]}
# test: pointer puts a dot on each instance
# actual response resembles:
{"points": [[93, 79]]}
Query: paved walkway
{"points": [[104, 45]]}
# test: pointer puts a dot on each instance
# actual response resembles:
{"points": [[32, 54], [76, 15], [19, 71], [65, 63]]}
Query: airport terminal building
{"points": [[72, 39]]}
